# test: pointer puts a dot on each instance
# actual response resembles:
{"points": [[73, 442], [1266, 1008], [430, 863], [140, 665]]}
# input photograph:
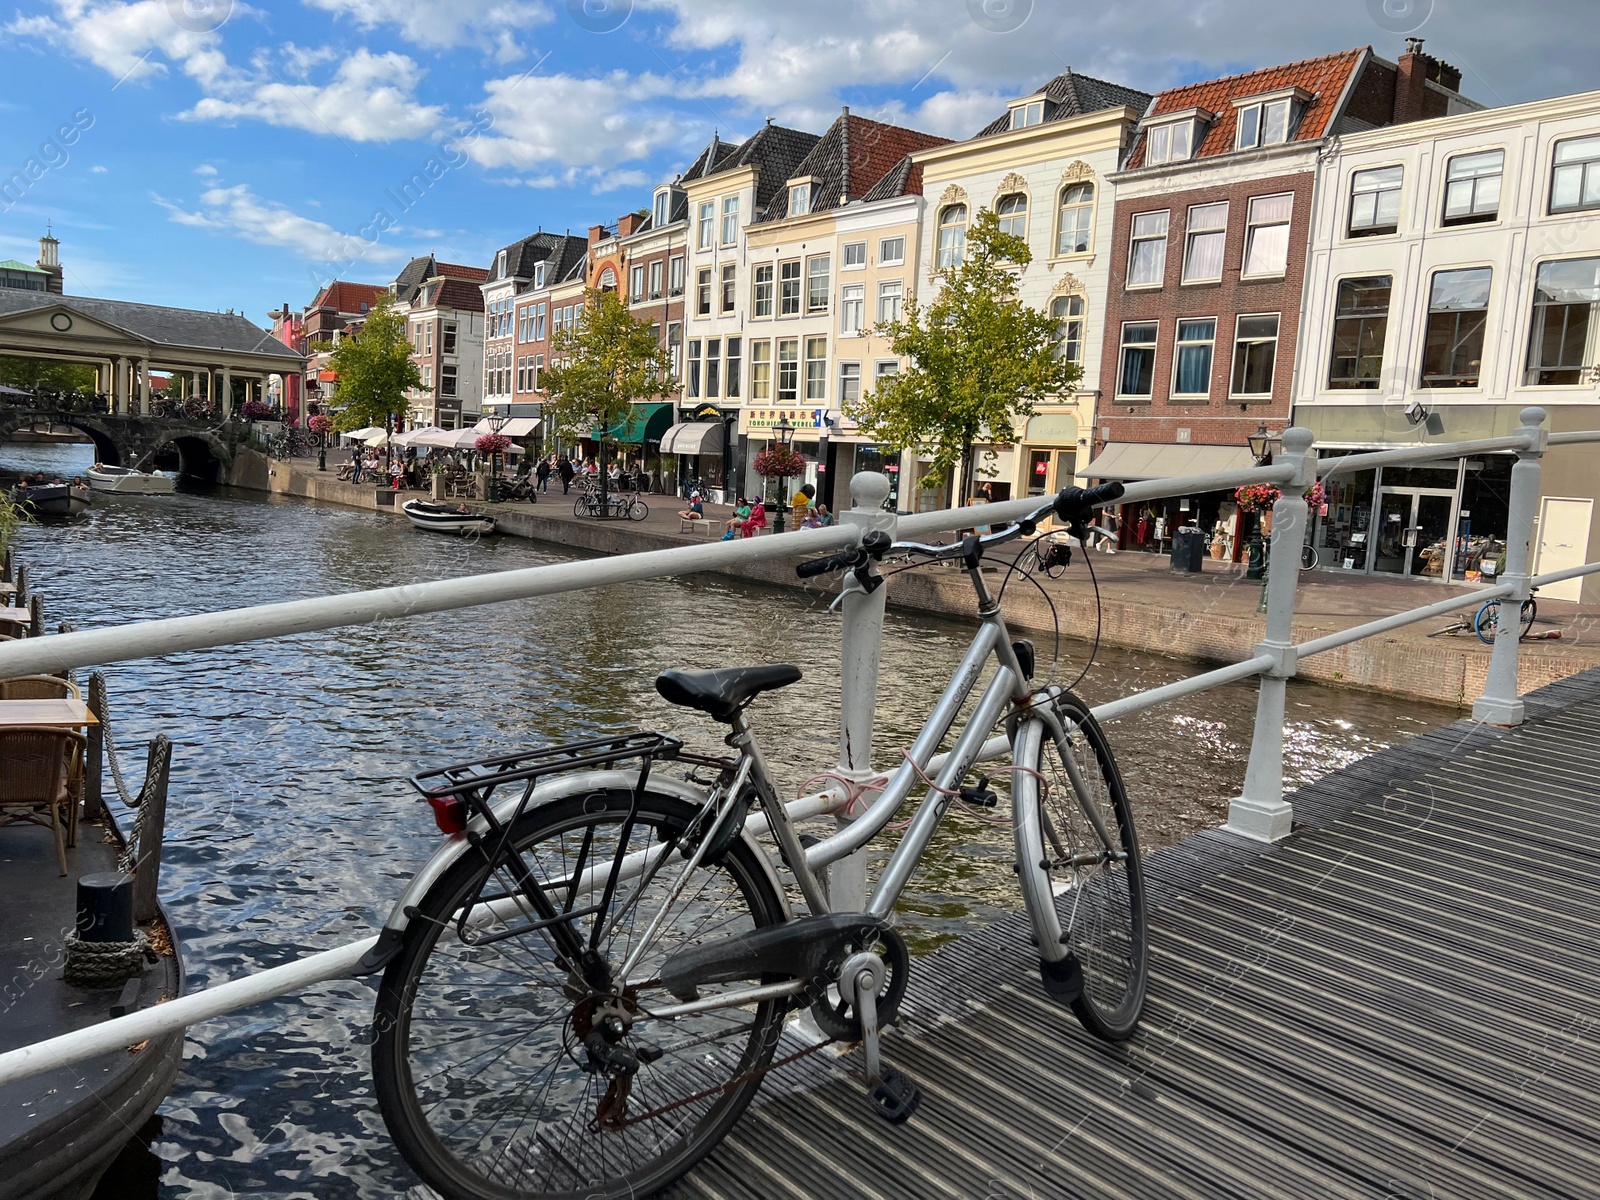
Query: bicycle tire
{"points": [[542, 1109], [638, 510], [1486, 623], [1308, 557], [580, 507], [1098, 914], [1525, 616]]}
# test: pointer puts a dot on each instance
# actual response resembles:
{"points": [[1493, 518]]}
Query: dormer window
{"points": [[1027, 113], [1176, 136], [500, 265], [663, 208], [799, 198], [1269, 120], [538, 275]]}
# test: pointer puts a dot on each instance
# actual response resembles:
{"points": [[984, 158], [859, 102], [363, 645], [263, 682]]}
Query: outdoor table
{"points": [[7, 590], [63, 714], [19, 617]]}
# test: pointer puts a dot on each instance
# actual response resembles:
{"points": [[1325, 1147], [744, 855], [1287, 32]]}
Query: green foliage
{"points": [[375, 369], [47, 375], [980, 359], [12, 518], [600, 368]]}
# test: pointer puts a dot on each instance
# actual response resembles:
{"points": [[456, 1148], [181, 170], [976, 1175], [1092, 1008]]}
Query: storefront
{"points": [[1151, 526], [1048, 454], [633, 440], [697, 449], [758, 429]]}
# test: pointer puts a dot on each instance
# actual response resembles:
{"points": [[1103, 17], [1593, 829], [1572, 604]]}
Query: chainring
{"points": [[834, 1014]]}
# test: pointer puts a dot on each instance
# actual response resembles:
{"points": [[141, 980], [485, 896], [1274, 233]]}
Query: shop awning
{"points": [[646, 423], [694, 437], [1159, 460], [520, 427]]}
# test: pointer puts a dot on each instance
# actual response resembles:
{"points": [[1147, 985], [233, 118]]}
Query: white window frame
{"points": [[706, 229], [761, 369], [816, 371], [1233, 358], [893, 293], [779, 361], [730, 220], [677, 274], [1473, 183], [1170, 141], [1135, 240], [948, 257], [887, 255], [1027, 114], [853, 256], [1122, 357], [785, 295], [1374, 228], [1063, 319], [799, 199], [1261, 113], [1009, 219], [636, 283], [818, 296], [1062, 208], [763, 291], [852, 309], [728, 289], [1587, 170], [705, 286], [662, 210], [656, 276], [1252, 225], [1177, 346], [845, 374], [1192, 234]]}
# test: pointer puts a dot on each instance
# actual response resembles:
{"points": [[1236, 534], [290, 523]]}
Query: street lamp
{"points": [[783, 432], [496, 420], [1256, 561]]}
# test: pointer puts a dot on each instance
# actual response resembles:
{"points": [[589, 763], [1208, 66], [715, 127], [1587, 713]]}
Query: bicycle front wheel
{"points": [[638, 510], [1078, 860], [1487, 623], [479, 1050]]}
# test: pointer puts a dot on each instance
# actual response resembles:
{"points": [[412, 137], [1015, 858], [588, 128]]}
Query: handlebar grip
{"points": [[822, 566], [1074, 503]]}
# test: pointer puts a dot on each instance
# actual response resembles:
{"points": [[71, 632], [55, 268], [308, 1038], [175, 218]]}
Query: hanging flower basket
{"points": [[492, 443], [1257, 497], [256, 410], [780, 462], [320, 424], [1316, 495]]}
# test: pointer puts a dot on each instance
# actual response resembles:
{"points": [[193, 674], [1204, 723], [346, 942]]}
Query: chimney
{"points": [[1411, 83], [597, 233], [628, 224]]}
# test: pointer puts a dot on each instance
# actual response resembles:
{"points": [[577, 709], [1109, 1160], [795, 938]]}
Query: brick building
{"points": [[338, 310], [1207, 262], [444, 307]]}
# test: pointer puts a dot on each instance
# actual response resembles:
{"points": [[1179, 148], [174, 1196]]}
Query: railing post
{"points": [[1499, 704], [860, 643], [1260, 811]]}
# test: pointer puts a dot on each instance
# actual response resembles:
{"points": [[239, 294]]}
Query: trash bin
{"points": [[1188, 549]]}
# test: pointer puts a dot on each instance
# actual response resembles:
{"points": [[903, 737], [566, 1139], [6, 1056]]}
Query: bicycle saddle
{"points": [[721, 694]]}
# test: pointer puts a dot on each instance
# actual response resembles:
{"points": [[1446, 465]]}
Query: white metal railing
{"points": [[1260, 811]]}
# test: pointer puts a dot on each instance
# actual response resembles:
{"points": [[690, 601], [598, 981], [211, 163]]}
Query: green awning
{"points": [[646, 423]]}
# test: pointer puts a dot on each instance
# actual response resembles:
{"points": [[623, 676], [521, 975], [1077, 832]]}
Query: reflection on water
{"points": [[291, 828]]}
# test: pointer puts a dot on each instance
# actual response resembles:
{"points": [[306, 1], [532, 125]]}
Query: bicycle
{"points": [[585, 986], [1485, 622], [1309, 559]]}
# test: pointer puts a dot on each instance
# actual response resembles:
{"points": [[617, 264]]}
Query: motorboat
{"points": [[130, 482], [52, 499], [446, 518]]}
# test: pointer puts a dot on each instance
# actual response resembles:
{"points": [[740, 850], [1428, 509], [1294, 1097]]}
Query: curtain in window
{"points": [[1208, 236], [1194, 357], [1268, 253], [1565, 301]]}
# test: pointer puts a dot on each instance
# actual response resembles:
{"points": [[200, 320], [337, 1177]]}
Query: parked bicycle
{"points": [[619, 505], [1485, 623], [585, 986]]}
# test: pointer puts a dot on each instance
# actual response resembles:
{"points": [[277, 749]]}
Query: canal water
{"points": [[292, 829]]}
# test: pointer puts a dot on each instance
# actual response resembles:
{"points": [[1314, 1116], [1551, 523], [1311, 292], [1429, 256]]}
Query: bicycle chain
{"points": [[736, 1081]]}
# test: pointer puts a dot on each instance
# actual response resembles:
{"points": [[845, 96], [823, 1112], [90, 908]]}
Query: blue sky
{"points": [[215, 154]]}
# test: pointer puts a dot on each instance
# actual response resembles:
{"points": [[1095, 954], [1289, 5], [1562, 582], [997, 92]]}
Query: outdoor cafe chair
{"points": [[40, 776], [38, 687]]}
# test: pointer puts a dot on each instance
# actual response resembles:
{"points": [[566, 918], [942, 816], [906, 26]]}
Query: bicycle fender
{"points": [[391, 937]]}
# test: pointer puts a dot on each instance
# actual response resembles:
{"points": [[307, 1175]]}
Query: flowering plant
{"points": [[1316, 495], [256, 410], [1257, 497], [197, 408], [320, 423], [492, 443], [780, 462]]}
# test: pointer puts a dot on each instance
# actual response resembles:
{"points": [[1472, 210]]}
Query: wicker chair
{"points": [[39, 779], [38, 687]]}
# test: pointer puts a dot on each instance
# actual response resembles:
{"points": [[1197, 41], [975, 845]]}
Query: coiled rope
{"points": [[106, 964]]}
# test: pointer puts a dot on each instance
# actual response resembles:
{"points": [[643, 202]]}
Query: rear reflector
{"points": [[449, 813]]}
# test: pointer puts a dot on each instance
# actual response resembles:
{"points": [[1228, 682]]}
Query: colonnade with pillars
{"points": [[127, 381]]}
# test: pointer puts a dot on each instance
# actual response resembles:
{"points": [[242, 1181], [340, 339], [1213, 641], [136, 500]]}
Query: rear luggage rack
{"points": [[478, 779]]}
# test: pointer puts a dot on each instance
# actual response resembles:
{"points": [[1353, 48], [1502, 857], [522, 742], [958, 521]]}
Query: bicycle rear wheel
{"points": [[638, 510], [1083, 895], [479, 1054], [1487, 623]]}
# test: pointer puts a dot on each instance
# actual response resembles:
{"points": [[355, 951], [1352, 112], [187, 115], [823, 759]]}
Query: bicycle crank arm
{"points": [[893, 1096]]}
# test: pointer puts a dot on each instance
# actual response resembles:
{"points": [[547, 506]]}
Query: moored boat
{"points": [[446, 518], [128, 481], [52, 499]]}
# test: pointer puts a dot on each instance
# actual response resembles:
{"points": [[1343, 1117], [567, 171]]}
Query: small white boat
{"points": [[446, 518], [125, 479], [53, 499]]}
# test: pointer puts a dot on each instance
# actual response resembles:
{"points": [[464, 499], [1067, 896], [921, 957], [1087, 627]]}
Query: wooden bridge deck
{"points": [[1398, 1003]]}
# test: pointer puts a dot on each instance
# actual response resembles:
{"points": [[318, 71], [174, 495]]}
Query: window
{"points": [[849, 383], [447, 338], [1266, 238], [557, 321], [427, 338], [708, 224], [1073, 218], [799, 199], [538, 274], [1025, 115], [952, 236], [1138, 368], [730, 220], [1172, 142], [608, 280], [891, 251], [1575, 180], [1013, 213], [522, 373], [702, 292], [761, 370], [1265, 124], [713, 366], [1566, 302], [852, 308], [1067, 311], [818, 288], [853, 255], [1360, 327], [539, 324], [1205, 238], [731, 368], [1255, 355], [1375, 201], [1191, 368], [885, 370], [730, 283], [675, 276], [447, 380], [533, 374], [654, 292], [817, 368], [636, 283], [890, 294], [1458, 314], [761, 291], [789, 369], [1472, 187], [692, 383], [500, 265], [674, 347], [1147, 257], [663, 207], [789, 288], [427, 376]]}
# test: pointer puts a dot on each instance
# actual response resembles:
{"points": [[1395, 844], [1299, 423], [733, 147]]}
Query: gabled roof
{"points": [[557, 249], [444, 292], [348, 297], [774, 150], [1324, 78], [848, 161], [153, 323], [1070, 94], [902, 179], [419, 270], [710, 160]]}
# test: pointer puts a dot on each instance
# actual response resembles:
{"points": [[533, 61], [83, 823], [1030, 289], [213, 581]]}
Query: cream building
{"points": [[1041, 167]]}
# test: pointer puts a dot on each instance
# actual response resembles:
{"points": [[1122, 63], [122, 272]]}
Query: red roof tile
{"points": [[473, 274], [349, 297], [1325, 78]]}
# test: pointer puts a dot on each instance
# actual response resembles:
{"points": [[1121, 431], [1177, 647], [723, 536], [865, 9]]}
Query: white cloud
{"points": [[239, 211], [446, 24], [97, 170], [120, 39], [574, 130]]}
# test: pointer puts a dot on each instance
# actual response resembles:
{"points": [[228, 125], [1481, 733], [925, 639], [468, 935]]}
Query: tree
{"points": [[374, 368], [980, 360], [43, 374], [599, 369]]}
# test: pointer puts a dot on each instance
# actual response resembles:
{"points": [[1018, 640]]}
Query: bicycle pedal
{"points": [[894, 1097], [1063, 979]]}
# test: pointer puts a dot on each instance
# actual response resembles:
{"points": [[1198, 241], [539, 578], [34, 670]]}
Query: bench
{"points": [[685, 525]]}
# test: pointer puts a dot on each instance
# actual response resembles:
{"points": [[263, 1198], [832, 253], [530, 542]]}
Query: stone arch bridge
{"points": [[192, 448]]}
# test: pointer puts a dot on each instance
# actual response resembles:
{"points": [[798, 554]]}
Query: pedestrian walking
{"points": [[542, 474], [565, 470]]}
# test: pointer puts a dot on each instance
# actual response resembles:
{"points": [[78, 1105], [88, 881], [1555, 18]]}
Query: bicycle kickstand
{"points": [[893, 1095]]}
